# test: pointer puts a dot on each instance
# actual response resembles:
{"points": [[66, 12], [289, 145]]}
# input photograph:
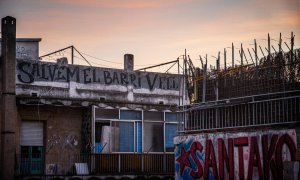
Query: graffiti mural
{"points": [[252, 155], [32, 71], [62, 141]]}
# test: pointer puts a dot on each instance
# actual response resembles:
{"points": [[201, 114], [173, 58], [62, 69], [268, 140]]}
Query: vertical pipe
{"points": [[269, 44], [242, 60], [196, 84], [204, 118], [218, 62], [93, 128], [183, 94], [204, 81], [232, 54], [255, 49], [72, 54], [225, 68], [226, 117], [185, 89], [254, 114], [235, 115], [178, 72], [260, 114], [242, 116], [292, 47], [218, 71], [271, 119], [280, 41]]}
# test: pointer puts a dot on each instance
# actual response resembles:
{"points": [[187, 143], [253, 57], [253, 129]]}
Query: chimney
{"points": [[128, 62], [8, 110], [62, 61]]}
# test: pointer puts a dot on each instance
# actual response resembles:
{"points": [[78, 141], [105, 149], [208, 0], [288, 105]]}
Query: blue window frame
{"points": [[130, 115], [138, 129], [126, 137]]}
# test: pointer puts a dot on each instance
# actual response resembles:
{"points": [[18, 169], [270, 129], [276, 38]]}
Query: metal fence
{"points": [[99, 164], [269, 109]]}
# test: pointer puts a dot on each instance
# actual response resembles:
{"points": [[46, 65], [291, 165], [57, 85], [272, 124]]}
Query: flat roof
{"points": [[27, 39]]}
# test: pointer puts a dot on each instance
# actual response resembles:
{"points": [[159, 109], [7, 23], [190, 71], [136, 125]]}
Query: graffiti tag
{"points": [[242, 157]]}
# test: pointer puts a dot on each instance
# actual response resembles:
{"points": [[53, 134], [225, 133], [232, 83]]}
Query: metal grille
{"points": [[254, 111]]}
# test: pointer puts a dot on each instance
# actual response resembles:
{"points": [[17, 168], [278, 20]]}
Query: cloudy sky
{"points": [[155, 31]]}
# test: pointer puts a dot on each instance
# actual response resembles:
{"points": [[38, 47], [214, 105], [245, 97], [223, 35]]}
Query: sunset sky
{"points": [[155, 31]]}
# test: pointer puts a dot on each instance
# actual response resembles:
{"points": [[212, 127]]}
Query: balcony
{"points": [[116, 164]]}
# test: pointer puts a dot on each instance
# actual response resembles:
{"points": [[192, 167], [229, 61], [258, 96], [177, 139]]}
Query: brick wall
{"points": [[62, 133]]}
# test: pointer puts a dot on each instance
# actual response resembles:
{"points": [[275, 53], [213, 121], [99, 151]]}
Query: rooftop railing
{"points": [[98, 164]]}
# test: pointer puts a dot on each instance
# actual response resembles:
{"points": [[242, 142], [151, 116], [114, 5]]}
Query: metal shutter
{"points": [[31, 133]]}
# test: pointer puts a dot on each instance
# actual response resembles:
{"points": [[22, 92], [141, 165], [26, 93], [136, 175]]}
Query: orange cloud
{"points": [[128, 4], [155, 31]]}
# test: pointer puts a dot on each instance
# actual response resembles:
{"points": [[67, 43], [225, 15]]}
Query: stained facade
{"points": [[83, 120]]}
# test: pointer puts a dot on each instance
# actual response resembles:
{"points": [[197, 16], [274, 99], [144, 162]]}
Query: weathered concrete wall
{"points": [[62, 133], [244, 155], [26, 48], [92, 83]]}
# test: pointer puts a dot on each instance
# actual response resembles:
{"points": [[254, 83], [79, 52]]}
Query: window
{"points": [[170, 129], [134, 130], [130, 115], [172, 117], [107, 113], [126, 137], [153, 137], [170, 133], [102, 134], [153, 116], [32, 149]]}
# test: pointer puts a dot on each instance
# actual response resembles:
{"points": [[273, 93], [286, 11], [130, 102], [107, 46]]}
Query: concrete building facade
{"points": [[64, 120]]}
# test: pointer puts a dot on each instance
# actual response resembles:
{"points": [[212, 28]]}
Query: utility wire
{"points": [[114, 62], [101, 59]]}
